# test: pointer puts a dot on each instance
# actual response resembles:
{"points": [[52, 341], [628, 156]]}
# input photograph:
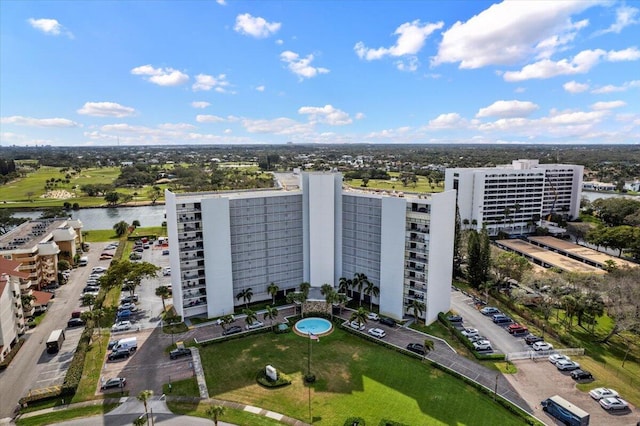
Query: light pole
{"points": [[543, 327]]}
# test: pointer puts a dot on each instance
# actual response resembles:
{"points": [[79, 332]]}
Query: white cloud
{"points": [[260, 88], [161, 76], [411, 39], [200, 104], [19, 120], [508, 109], [255, 26], [450, 120], [575, 87], [207, 82], [205, 118], [221, 2], [580, 64], [301, 66], [359, 115], [106, 109], [625, 16], [510, 32], [598, 106], [326, 114], [519, 90], [176, 126], [623, 88], [49, 26], [410, 63], [279, 42], [278, 126]]}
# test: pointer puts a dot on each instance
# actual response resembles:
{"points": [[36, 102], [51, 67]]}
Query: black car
{"points": [[111, 344], [417, 348], [532, 338], [75, 322], [388, 321], [581, 375], [113, 356], [454, 318], [232, 330], [177, 353]]}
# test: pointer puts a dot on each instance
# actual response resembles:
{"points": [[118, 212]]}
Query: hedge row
{"points": [[74, 373], [7, 360], [494, 357]]}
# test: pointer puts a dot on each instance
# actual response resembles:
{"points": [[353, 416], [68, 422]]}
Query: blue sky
{"points": [[269, 72]]}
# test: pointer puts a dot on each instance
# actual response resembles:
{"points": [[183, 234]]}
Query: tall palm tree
{"points": [[372, 291], [271, 313], [341, 299], [273, 289], [164, 293], [360, 280], [360, 316], [330, 297], [429, 344], [139, 421], [417, 307], [215, 412], [344, 285], [121, 228], [246, 296], [304, 288], [251, 316], [326, 289], [144, 396]]}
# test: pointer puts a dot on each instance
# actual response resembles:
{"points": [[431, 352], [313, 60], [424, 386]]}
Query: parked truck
{"points": [[54, 342], [128, 343]]}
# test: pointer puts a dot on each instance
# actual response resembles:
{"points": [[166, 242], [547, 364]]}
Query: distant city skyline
{"points": [[244, 72]]}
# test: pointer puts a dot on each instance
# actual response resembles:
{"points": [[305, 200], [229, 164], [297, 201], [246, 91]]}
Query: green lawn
{"points": [[66, 414], [233, 416], [355, 378], [422, 185]]}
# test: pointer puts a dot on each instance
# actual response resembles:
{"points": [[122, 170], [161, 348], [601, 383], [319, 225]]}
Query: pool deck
{"points": [[305, 334]]}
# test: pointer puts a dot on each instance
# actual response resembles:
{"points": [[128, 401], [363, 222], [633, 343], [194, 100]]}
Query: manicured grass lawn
{"points": [[354, 378], [92, 368], [387, 185], [66, 414], [99, 235], [233, 416]]}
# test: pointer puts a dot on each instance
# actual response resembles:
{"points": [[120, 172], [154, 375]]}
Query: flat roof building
{"points": [[225, 242]]}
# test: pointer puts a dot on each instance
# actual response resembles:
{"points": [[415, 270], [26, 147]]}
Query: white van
{"points": [[84, 261], [129, 343]]}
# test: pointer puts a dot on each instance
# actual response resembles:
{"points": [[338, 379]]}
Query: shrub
{"points": [[74, 373], [354, 421], [283, 379]]}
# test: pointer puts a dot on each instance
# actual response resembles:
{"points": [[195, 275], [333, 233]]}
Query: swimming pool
{"points": [[317, 326]]}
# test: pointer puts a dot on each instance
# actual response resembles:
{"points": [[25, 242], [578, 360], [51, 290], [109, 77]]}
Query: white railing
{"points": [[536, 355]]}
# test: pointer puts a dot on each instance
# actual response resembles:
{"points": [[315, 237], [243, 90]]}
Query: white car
{"points": [[121, 326], [566, 365], [373, 316], [542, 346], [553, 358], [470, 332], [166, 271], [377, 332], [614, 403], [357, 325], [254, 325], [98, 270], [599, 393], [127, 306], [482, 345]]}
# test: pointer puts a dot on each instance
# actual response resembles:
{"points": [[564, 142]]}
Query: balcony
{"points": [[417, 268], [413, 258], [191, 247], [190, 218], [419, 229]]}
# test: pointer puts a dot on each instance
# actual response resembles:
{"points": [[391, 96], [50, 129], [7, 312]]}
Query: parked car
{"points": [[454, 318], [388, 321], [115, 382], [166, 271], [417, 348], [581, 375], [377, 332], [489, 310], [482, 345], [135, 256], [469, 332], [127, 305], [614, 403], [254, 325], [357, 325], [129, 299], [501, 319], [599, 393], [165, 252], [373, 316], [567, 365], [179, 352], [232, 330], [111, 344], [121, 326], [554, 358], [138, 249], [75, 322], [530, 339], [542, 346], [123, 315], [474, 339], [517, 329], [116, 355]]}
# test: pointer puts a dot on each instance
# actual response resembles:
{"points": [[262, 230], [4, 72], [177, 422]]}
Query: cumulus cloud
{"points": [[411, 39], [579, 64], [260, 88], [206, 118], [19, 120], [278, 126], [49, 26], [106, 109], [301, 66], [575, 87], [200, 104], [610, 88], [207, 82], [326, 114], [359, 115], [450, 120], [508, 109], [255, 26], [221, 2], [161, 76], [598, 106], [510, 32], [625, 16]]}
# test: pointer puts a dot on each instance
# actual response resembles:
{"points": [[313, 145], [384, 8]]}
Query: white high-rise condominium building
{"points": [[514, 198], [224, 243]]}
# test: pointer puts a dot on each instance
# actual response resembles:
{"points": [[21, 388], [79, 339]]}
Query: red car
{"points": [[517, 329]]}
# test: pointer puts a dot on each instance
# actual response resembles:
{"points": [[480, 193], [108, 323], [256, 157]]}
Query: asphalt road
{"points": [[32, 364]]}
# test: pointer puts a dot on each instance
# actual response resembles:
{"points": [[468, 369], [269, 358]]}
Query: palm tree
{"points": [[246, 296], [144, 397], [344, 285], [330, 297], [215, 412], [360, 316], [163, 293], [139, 421], [27, 301], [273, 289], [251, 316], [372, 291], [135, 224], [121, 228], [304, 288], [326, 289], [271, 313], [417, 307], [429, 344], [341, 299], [360, 280]]}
